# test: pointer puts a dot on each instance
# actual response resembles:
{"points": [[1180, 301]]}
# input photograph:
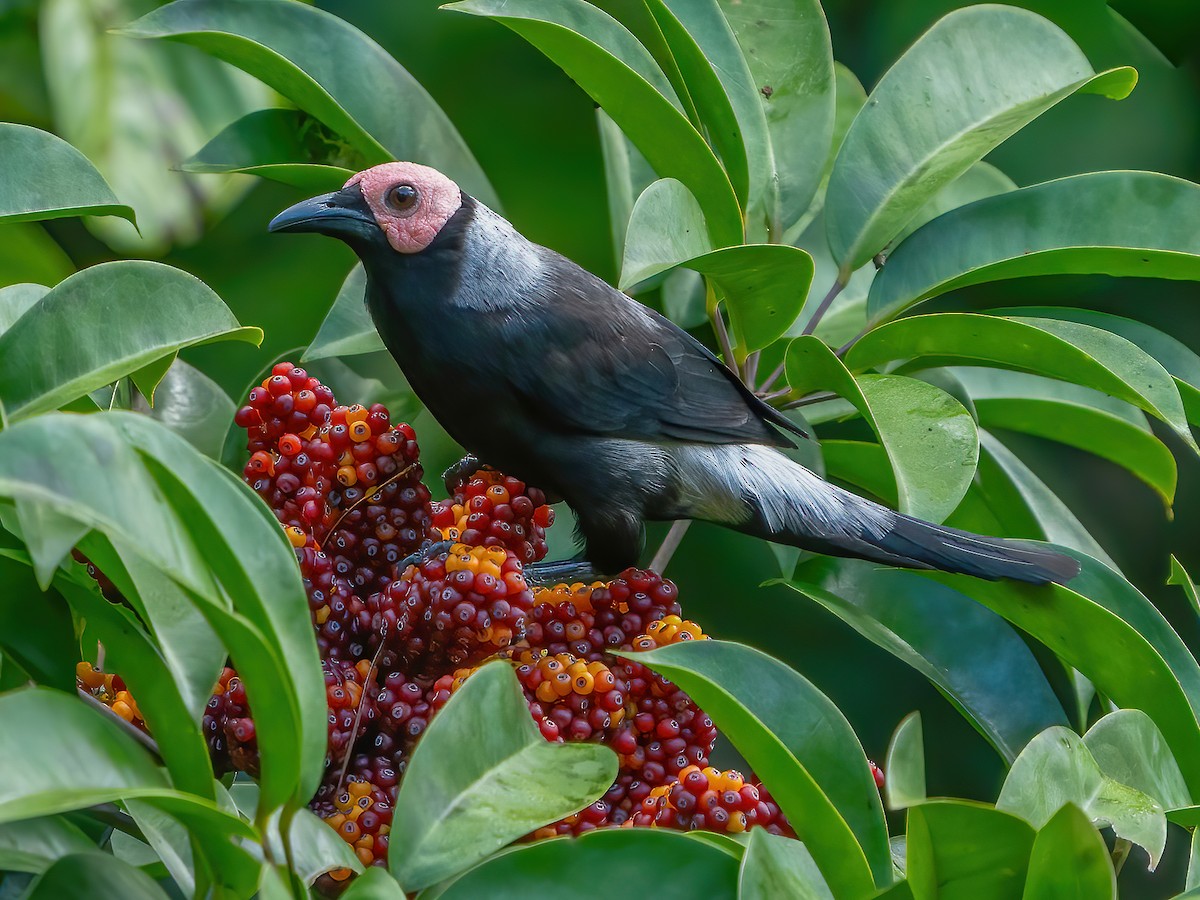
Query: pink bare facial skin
{"points": [[438, 199]]}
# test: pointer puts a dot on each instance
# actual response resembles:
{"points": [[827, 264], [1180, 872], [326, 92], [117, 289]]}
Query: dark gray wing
{"points": [[603, 364]]}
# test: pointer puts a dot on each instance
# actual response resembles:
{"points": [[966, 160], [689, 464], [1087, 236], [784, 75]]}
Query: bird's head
{"points": [[398, 205]]}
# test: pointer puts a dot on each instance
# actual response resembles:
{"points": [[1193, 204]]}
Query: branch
{"points": [[819, 397], [718, 323], [823, 308], [670, 544], [775, 375]]}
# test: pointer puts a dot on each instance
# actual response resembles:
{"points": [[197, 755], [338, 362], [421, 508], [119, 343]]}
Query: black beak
{"points": [[339, 213]]}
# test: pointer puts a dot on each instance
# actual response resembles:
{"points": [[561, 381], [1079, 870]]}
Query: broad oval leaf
{"points": [[604, 59], [1129, 748], [818, 775], [467, 790], [790, 57], [301, 52], [980, 181], [1057, 768], [47, 178], [1078, 416], [284, 145], [1069, 860], [1070, 351], [679, 867], [666, 228], [91, 875], [981, 664], [776, 866], [1112, 223], [979, 75], [32, 845], [193, 406], [43, 771], [904, 765], [374, 884], [16, 300], [957, 848], [931, 440], [159, 309]]}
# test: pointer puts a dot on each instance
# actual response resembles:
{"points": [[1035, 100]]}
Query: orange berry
{"points": [[347, 476], [359, 431], [295, 536]]}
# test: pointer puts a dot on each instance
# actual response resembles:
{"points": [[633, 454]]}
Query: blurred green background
{"points": [[137, 110]]}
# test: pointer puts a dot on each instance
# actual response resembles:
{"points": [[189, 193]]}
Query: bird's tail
{"points": [[760, 491]]}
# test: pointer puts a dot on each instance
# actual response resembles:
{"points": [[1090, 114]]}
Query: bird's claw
{"points": [[426, 552], [459, 473], [569, 571]]}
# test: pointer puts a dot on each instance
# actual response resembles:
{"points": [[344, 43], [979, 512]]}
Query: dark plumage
{"points": [[544, 371]]}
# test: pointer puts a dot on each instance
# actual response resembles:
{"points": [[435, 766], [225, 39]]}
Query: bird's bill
{"points": [[333, 213]]}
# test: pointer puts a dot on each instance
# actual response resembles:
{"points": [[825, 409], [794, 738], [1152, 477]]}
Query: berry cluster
{"points": [[109, 690], [398, 637]]}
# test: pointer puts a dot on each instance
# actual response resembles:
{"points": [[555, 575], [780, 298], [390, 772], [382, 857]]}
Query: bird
{"points": [[542, 370]]}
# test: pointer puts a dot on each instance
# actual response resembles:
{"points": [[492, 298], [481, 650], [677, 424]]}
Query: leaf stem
{"points": [[669, 545], [750, 368], [718, 323], [823, 307], [809, 400], [775, 375]]}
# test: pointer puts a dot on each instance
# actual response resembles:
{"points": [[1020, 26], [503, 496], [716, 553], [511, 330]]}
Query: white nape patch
{"points": [[729, 482], [500, 264]]}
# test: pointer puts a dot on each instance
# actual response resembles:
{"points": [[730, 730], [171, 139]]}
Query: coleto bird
{"points": [[544, 371]]}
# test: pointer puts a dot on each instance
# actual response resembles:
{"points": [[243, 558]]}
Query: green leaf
{"points": [[1138, 224], [36, 630], [50, 179], [787, 48], [1180, 576], [973, 657], [1073, 415], [607, 62], [193, 406], [300, 51], [977, 76], [284, 145], [28, 254], [374, 884], [818, 775], [1069, 351], [931, 440], [776, 866], [1129, 748], [16, 300], [626, 175], [468, 789], [904, 767], [347, 329], [1057, 768], [980, 181], [44, 773], [94, 876], [678, 867], [33, 844], [957, 848], [666, 228], [315, 848], [160, 310], [1069, 861]]}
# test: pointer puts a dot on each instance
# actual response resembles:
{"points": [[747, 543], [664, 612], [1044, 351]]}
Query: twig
{"points": [[819, 397], [670, 544], [718, 323], [358, 710], [775, 375], [750, 369], [374, 490], [115, 818], [775, 395], [137, 734], [841, 351], [823, 307]]}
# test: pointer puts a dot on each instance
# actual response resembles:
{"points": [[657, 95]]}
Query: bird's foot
{"points": [[460, 473], [427, 552], [566, 571]]}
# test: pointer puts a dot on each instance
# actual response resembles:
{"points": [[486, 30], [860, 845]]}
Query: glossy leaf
{"points": [[1073, 415], [957, 848], [44, 773], [347, 329], [32, 845], [1066, 350], [1179, 576], [1070, 861], [626, 176], [1057, 768], [1138, 224], [904, 766], [50, 179], [776, 866], [930, 438], [666, 228], [977, 76], [787, 48], [819, 776], [607, 62], [374, 884], [467, 791], [1129, 748], [979, 663], [161, 310], [193, 406], [300, 51], [93, 875], [315, 848], [16, 299], [980, 181], [571, 869]]}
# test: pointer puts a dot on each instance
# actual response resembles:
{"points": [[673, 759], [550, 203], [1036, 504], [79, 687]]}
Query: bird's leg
{"points": [[459, 473], [566, 571]]}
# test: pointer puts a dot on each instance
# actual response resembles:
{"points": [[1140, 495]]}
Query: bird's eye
{"points": [[402, 199]]}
